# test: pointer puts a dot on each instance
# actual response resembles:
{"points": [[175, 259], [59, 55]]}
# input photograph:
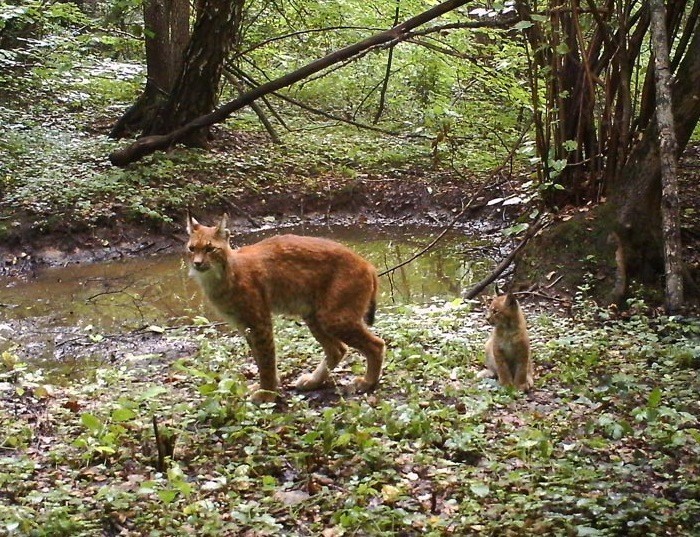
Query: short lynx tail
{"points": [[369, 315]]}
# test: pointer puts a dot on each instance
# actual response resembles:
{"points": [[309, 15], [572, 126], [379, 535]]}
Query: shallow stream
{"points": [[42, 315]]}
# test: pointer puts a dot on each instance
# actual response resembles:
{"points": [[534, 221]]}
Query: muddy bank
{"points": [[388, 202]]}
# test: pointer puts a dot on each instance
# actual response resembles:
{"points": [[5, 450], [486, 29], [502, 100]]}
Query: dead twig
{"points": [[469, 205], [503, 265]]}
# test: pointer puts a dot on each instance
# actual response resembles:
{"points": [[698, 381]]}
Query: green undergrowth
{"points": [[57, 177], [63, 95], [608, 442]]}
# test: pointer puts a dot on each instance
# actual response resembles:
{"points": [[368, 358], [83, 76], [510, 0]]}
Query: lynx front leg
{"points": [[334, 350], [523, 377], [262, 345], [496, 367]]}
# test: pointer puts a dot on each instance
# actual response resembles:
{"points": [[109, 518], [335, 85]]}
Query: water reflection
{"points": [[157, 290]]}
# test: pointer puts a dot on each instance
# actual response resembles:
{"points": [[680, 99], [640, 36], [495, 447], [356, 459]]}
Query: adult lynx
{"points": [[332, 288], [508, 348]]}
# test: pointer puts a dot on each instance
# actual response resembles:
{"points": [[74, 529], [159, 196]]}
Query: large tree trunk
{"points": [[166, 36], [625, 234], [636, 196], [149, 144], [196, 91]]}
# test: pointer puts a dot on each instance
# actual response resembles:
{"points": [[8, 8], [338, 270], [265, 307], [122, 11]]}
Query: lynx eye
{"points": [[190, 248], [209, 248]]}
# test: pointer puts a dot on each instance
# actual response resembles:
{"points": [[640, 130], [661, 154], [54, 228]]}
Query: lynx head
{"points": [[503, 310], [207, 246]]}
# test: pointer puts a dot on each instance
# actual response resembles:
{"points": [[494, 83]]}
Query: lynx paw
{"points": [[308, 382], [263, 396], [361, 385], [485, 374], [527, 385]]}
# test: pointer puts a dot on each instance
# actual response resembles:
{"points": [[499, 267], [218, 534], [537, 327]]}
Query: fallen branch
{"points": [[470, 205], [149, 144], [503, 265], [437, 239]]}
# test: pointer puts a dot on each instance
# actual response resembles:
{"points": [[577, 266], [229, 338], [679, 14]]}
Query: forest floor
{"points": [[415, 195]]}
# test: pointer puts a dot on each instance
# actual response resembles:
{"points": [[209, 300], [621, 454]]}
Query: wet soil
{"points": [[412, 197]]}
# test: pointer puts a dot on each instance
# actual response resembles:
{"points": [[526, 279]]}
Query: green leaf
{"points": [[91, 422], [516, 229], [654, 398], [167, 495], [123, 414], [105, 450], [522, 25], [480, 489], [152, 392]]}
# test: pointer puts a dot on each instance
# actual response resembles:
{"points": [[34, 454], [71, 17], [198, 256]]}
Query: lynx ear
{"points": [[221, 229], [511, 301], [192, 224]]}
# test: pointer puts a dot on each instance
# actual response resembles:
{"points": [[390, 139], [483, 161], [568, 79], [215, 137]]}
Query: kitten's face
{"points": [[502, 309]]}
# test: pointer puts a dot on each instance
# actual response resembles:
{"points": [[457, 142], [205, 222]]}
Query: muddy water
{"points": [[87, 301]]}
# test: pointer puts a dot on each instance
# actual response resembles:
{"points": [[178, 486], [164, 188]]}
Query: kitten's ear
{"points": [[511, 301], [221, 229], [192, 224]]}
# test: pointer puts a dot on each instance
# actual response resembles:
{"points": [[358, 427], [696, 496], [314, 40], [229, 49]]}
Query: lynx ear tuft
{"points": [[192, 224]]}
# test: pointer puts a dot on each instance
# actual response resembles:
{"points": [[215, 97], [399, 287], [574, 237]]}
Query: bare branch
{"points": [[387, 75], [503, 265], [149, 144]]}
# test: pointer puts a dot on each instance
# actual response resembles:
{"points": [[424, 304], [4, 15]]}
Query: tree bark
{"points": [[636, 194], [197, 88], [668, 148], [166, 35], [150, 144]]}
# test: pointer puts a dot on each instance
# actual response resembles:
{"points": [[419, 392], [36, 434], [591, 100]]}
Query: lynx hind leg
{"points": [[371, 347], [334, 350]]}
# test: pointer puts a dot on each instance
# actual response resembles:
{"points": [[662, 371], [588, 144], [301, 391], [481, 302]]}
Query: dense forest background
{"points": [[561, 98], [557, 127]]}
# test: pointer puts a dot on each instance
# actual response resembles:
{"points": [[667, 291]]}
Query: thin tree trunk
{"points": [[387, 75], [149, 144], [668, 148]]}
